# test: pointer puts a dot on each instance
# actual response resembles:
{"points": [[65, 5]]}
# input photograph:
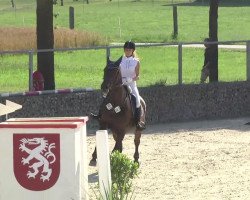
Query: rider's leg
{"points": [[135, 91]]}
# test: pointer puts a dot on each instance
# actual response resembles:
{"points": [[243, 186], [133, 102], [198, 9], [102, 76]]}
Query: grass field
{"points": [[117, 21], [81, 69], [142, 21]]}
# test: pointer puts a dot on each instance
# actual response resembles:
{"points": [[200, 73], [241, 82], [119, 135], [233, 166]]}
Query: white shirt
{"points": [[128, 66]]}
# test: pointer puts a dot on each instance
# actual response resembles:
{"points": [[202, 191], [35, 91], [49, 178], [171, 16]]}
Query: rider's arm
{"points": [[137, 72]]}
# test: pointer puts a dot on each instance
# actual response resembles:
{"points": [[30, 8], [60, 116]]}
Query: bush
{"points": [[123, 170]]}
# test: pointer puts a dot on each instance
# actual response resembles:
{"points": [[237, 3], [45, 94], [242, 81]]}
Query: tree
{"points": [[213, 35], [45, 40]]}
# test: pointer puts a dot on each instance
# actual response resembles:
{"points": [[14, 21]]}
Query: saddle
{"points": [[138, 113]]}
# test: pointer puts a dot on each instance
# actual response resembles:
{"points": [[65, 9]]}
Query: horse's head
{"points": [[112, 76]]}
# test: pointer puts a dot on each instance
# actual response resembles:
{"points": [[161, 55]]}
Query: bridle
{"points": [[115, 83]]}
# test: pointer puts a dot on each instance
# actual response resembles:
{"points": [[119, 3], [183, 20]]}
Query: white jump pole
{"points": [[103, 162]]}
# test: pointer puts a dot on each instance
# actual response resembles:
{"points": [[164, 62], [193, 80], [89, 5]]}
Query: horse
{"points": [[116, 111]]}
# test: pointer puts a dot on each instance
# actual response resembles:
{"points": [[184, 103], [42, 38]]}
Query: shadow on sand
{"points": [[93, 178]]}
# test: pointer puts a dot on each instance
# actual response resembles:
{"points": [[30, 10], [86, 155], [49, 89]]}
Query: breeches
{"points": [[135, 92]]}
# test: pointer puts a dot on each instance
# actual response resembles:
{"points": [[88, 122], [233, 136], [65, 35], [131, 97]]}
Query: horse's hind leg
{"points": [[94, 154], [94, 157], [137, 143]]}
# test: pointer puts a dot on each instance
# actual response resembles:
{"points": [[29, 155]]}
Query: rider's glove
{"points": [[129, 80]]}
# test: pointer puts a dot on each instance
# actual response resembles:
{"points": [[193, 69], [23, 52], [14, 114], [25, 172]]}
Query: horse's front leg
{"points": [[118, 137], [137, 143], [94, 154]]}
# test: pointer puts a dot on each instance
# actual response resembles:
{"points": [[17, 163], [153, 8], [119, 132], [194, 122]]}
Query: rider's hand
{"points": [[129, 80]]}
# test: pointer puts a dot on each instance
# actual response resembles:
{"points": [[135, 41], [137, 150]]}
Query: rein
{"points": [[117, 108], [108, 98]]}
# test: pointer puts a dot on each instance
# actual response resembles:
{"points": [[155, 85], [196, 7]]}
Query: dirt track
{"points": [[194, 160]]}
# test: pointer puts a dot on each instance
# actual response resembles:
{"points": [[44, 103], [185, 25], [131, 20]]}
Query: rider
{"points": [[130, 69], [205, 72]]}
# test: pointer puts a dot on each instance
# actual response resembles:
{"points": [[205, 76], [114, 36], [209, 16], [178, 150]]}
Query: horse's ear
{"points": [[108, 60], [118, 62]]}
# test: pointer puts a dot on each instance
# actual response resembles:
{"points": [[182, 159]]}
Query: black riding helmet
{"points": [[129, 45]]}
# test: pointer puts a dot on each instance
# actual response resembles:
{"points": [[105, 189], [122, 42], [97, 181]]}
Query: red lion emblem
{"points": [[36, 160]]}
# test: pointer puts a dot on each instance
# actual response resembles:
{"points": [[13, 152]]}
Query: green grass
{"points": [[81, 69], [143, 21]]}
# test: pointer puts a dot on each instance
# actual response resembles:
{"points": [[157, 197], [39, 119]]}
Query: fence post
{"points": [[180, 63], [248, 60], [30, 70], [175, 21], [71, 18], [108, 52]]}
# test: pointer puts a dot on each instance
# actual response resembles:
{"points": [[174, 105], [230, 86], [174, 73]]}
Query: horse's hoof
{"points": [[136, 161], [140, 126], [92, 162]]}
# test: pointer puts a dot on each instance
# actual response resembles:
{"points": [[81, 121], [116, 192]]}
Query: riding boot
{"points": [[139, 124]]}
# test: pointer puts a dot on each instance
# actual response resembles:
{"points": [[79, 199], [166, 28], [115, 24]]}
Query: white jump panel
{"points": [[41, 161], [83, 141]]}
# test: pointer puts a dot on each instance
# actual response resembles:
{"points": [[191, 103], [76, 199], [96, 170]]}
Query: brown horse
{"points": [[116, 110]]}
